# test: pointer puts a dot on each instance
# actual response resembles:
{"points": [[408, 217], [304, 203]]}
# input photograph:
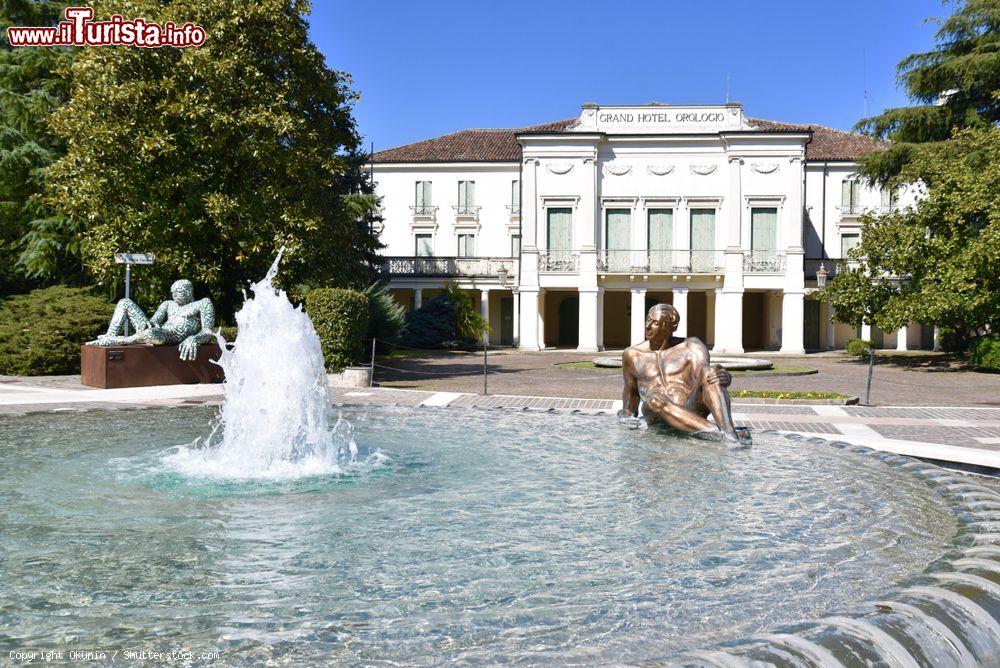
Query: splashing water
{"points": [[278, 411]]}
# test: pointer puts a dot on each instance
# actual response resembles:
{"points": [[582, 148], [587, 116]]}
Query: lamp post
{"points": [[128, 259], [821, 275]]}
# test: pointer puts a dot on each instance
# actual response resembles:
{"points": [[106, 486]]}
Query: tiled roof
{"points": [[500, 144], [827, 143]]}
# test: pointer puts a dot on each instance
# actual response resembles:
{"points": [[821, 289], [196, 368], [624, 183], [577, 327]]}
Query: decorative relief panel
{"points": [[703, 170], [559, 167], [617, 168], [659, 169], [764, 167]]}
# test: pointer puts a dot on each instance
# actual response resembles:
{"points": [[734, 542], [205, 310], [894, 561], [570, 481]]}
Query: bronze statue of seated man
{"points": [[181, 320], [673, 379]]}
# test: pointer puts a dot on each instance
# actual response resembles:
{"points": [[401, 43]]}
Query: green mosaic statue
{"points": [[180, 320]]}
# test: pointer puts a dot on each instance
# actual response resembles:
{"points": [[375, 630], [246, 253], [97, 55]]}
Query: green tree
{"points": [[936, 263], [955, 86], [213, 157], [36, 241]]}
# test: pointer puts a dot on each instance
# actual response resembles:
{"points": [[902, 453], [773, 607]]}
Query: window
{"points": [[515, 245], [515, 197], [847, 242], [764, 239], [850, 196], [559, 239], [890, 200], [660, 230], [422, 204], [466, 197], [617, 236], [424, 245], [466, 245], [702, 240]]}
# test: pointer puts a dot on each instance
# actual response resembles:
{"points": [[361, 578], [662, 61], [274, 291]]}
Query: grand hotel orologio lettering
{"points": [[566, 232]]}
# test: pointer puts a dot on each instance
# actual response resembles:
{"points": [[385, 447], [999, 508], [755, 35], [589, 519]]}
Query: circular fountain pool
{"points": [[480, 537]]}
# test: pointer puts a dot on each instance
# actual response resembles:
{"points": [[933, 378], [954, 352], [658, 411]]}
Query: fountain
{"points": [[482, 537], [277, 420]]}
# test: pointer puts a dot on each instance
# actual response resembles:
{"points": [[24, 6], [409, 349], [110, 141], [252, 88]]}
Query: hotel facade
{"points": [[565, 233]]}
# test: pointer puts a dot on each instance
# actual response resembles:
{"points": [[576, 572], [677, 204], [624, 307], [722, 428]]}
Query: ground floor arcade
{"points": [[612, 318]]}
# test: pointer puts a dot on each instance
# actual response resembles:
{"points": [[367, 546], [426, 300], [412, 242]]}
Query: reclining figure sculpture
{"points": [[673, 379], [180, 320]]}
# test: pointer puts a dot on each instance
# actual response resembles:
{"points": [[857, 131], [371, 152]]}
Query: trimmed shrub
{"points": [[41, 332], [985, 353], [386, 317], [859, 347], [340, 317]]}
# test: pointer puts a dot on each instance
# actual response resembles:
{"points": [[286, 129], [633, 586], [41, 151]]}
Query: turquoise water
{"points": [[479, 537]]}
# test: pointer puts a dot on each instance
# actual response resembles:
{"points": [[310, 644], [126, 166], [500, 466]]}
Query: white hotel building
{"points": [[565, 233]]}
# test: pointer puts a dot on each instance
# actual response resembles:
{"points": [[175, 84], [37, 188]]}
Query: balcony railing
{"points": [[661, 261], [514, 209], [467, 210], [558, 260], [763, 262], [482, 267], [424, 210], [858, 209]]}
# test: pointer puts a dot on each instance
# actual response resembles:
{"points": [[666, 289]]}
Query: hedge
{"points": [[41, 332], [985, 353], [341, 318]]}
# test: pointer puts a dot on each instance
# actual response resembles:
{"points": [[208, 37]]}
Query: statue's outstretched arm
{"points": [[189, 346]]}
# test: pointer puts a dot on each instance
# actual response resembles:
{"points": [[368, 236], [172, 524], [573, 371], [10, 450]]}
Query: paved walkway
{"points": [[906, 380], [962, 435]]}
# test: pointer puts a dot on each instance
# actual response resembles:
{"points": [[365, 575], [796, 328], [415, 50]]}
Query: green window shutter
{"points": [[764, 229], [702, 239], [845, 193], [660, 233], [515, 195], [560, 230], [618, 235]]}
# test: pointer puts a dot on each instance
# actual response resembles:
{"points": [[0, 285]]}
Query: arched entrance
{"points": [[569, 322]]}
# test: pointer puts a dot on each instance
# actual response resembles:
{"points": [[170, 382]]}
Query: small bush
{"points": [[859, 347], [985, 353], [340, 318], [432, 325], [469, 323], [41, 332], [386, 317]]}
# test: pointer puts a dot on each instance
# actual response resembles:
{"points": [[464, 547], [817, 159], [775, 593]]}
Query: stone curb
{"points": [[775, 374], [849, 401], [962, 586]]}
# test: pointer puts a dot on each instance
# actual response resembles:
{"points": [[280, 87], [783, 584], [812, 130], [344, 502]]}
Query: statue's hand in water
{"points": [[188, 348]]}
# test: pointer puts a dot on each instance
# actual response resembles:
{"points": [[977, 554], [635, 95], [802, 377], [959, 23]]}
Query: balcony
{"points": [[424, 211], [661, 261], [763, 262], [514, 210], [448, 267], [856, 210], [466, 212], [558, 260]]}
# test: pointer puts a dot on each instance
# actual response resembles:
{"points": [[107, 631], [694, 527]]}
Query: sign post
{"points": [[128, 259]]}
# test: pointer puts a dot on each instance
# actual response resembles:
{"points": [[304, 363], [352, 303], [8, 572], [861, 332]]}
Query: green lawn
{"points": [[779, 394]]}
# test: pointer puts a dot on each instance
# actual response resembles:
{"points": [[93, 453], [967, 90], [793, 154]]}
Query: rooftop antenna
{"points": [[727, 88], [864, 78]]}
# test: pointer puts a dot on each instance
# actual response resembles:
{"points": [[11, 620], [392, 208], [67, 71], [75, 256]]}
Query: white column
{"points": [[637, 329], [831, 336], [728, 321], [866, 332], [484, 307], [734, 204], [937, 339], [600, 318], [588, 320], [681, 304], [901, 339], [517, 318], [418, 298], [792, 321], [531, 336]]}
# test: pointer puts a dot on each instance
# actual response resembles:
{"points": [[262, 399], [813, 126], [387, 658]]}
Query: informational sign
{"points": [[134, 258]]}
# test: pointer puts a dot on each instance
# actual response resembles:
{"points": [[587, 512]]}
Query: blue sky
{"points": [[428, 68]]}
